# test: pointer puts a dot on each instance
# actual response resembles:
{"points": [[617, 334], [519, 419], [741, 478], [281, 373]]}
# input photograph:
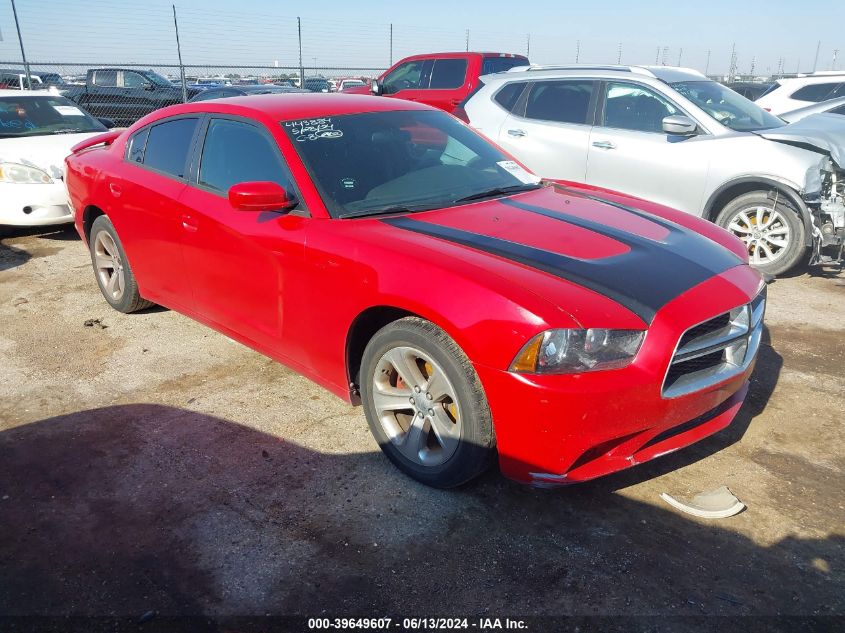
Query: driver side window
{"points": [[632, 107], [134, 80], [404, 77]]}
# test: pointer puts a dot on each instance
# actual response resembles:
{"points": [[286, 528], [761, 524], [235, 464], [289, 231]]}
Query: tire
{"points": [[446, 437], [119, 287], [783, 223]]}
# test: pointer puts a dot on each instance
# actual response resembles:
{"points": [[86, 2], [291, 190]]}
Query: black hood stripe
{"points": [[643, 280]]}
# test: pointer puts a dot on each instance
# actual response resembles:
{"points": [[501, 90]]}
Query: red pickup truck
{"points": [[441, 80]]}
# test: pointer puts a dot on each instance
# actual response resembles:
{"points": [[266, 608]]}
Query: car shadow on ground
{"points": [[14, 255], [136, 508]]}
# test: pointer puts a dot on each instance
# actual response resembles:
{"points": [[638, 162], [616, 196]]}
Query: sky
{"points": [[770, 34]]}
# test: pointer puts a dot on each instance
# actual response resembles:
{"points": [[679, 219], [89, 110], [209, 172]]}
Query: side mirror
{"points": [[107, 122], [679, 125], [375, 87], [260, 196]]}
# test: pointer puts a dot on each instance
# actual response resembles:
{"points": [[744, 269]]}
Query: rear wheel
{"points": [[769, 226], [425, 405], [112, 269]]}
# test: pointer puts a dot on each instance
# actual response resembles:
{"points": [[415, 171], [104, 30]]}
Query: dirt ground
{"points": [[148, 463]]}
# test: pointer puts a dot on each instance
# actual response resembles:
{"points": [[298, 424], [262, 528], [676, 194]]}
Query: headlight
{"points": [[23, 175], [578, 350]]}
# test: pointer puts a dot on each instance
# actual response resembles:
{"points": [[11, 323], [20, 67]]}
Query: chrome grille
{"points": [[716, 349]]}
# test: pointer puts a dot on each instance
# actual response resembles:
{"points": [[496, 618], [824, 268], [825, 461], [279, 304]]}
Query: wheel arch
{"points": [[89, 214], [740, 186]]}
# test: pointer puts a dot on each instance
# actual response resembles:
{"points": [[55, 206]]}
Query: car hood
{"points": [[638, 259], [47, 152], [823, 133]]}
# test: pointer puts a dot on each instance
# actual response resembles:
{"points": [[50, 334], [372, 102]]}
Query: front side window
{"points": [[134, 80], [448, 74], [727, 107], [404, 77], [39, 116], [236, 152], [105, 78], [632, 107], [815, 93], [383, 162], [560, 101], [168, 145]]}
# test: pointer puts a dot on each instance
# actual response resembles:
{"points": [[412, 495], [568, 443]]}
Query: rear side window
{"points": [[105, 78], [816, 92], [492, 65], [508, 96], [236, 152], [448, 73], [168, 145], [560, 101], [137, 144], [839, 110]]}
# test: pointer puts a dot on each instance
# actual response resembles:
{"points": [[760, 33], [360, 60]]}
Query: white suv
{"points": [[786, 95], [672, 136]]}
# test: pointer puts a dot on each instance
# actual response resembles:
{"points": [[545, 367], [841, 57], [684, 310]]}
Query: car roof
{"points": [[285, 107], [667, 74]]}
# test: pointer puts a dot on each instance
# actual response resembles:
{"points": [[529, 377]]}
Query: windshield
{"points": [[158, 79], [727, 107], [36, 116], [382, 162]]}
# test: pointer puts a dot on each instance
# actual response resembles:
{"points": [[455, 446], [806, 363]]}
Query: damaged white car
{"points": [[673, 136], [37, 131]]}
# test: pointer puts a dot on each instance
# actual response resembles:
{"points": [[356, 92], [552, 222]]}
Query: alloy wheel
{"points": [[764, 231], [109, 265], [417, 406]]}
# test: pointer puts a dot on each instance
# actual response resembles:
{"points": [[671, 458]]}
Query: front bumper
{"points": [[570, 428], [34, 204]]}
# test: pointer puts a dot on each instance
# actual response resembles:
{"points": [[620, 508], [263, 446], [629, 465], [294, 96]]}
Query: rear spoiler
{"points": [[107, 138]]}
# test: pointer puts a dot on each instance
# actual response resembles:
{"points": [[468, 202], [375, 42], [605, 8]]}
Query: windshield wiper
{"points": [[499, 191], [399, 208]]}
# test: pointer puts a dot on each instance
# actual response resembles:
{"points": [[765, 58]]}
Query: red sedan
{"points": [[389, 253]]}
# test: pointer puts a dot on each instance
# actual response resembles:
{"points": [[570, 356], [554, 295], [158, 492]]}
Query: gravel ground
{"points": [[149, 463]]}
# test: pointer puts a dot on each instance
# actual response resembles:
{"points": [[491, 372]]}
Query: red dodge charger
{"points": [[394, 256]]}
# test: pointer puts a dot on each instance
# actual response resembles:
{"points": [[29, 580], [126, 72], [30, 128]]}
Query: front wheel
{"points": [[769, 226], [425, 404]]}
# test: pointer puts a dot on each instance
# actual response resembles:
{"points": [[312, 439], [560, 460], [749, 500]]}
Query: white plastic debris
{"points": [[716, 504]]}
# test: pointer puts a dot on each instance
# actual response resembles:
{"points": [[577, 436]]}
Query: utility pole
{"points": [[732, 69], [833, 64], [619, 55], [680, 54], [577, 50], [665, 53], [657, 57], [301, 69], [23, 53], [391, 44], [753, 63], [528, 45], [179, 54], [707, 64], [467, 40], [816, 60]]}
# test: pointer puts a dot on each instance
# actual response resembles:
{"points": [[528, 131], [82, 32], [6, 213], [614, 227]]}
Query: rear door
{"points": [[144, 192], [549, 128], [629, 152], [449, 83], [239, 262]]}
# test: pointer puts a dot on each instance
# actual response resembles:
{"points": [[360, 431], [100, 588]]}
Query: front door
{"points": [[630, 152], [239, 262]]}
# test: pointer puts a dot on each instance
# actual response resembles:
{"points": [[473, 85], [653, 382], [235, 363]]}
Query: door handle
{"points": [[604, 145], [189, 223], [115, 190], [516, 132]]}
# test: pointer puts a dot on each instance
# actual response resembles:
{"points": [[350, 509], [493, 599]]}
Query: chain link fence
{"points": [[124, 93]]}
